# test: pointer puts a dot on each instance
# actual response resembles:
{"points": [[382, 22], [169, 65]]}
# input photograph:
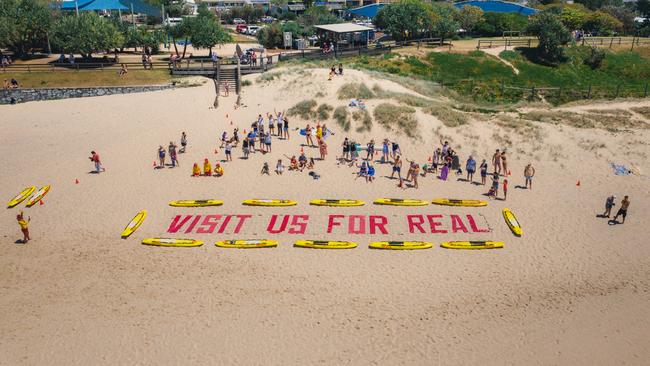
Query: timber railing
{"points": [[507, 42], [82, 66]]}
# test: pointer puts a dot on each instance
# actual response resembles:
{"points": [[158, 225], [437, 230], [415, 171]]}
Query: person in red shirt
{"points": [[505, 189], [98, 164]]}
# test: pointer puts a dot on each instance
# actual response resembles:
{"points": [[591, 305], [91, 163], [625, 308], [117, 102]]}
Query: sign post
{"points": [[287, 40]]}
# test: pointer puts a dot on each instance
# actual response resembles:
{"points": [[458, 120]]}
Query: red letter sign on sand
{"points": [[209, 224], [283, 225], [352, 229], [242, 219], [415, 221], [378, 222], [435, 224], [475, 228], [331, 223], [457, 224], [175, 225], [301, 222]]}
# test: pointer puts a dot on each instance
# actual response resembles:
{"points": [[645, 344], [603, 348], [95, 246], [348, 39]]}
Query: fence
{"points": [[94, 66], [618, 41], [507, 42]]}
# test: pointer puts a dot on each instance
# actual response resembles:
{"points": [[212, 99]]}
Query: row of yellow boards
{"points": [[31, 194], [334, 202], [324, 244], [509, 217]]}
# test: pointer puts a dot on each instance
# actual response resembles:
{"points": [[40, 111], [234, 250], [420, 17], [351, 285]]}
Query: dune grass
{"points": [[304, 109], [447, 115], [363, 117], [355, 91], [609, 122], [397, 118], [342, 118], [323, 111]]}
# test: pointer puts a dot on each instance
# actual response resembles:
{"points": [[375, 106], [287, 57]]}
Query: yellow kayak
{"points": [[512, 222], [336, 203], [323, 244], [455, 202], [37, 196], [247, 243], [472, 244], [166, 242], [134, 224], [400, 202], [267, 202], [21, 196], [196, 203], [400, 245]]}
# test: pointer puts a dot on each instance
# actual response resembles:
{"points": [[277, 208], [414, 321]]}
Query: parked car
{"points": [[252, 30], [268, 19], [172, 21], [241, 28], [238, 21]]}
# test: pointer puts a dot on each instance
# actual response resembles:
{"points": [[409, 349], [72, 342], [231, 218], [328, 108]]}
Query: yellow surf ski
{"points": [[336, 203], [134, 224], [400, 245], [37, 196], [269, 203], [323, 244], [21, 196], [245, 244], [400, 202], [167, 242], [512, 222], [472, 244], [196, 203], [456, 202]]}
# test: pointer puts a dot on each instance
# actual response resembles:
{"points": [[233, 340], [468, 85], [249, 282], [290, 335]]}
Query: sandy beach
{"points": [[572, 290]]}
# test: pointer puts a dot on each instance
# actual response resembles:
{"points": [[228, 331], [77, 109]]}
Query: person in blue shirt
{"points": [[471, 168]]}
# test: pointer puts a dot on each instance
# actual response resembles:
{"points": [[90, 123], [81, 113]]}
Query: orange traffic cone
{"points": [[76, 181], [578, 184], [41, 203]]}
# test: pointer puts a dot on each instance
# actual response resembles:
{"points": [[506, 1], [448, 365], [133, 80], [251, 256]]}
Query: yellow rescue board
{"points": [[267, 202], [37, 196], [400, 245], [21, 196], [134, 224], [400, 202], [512, 222], [323, 244], [167, 242], [196, 203], [253, 243], [336, 203], [456, 202], [472, 244]]}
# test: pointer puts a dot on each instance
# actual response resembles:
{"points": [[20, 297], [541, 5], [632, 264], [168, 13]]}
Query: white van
{"points": [[172, 21], [251, 30]]}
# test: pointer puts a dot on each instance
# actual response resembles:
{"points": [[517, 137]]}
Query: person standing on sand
{"points": [[484, 169], [609, 204], [625, 203], [94, 157], [529, 173], [24, 226], [173, 155], [504, 164], [505, 189], [244, 147], [322, 147], [397, 168], [384, 151], [470, 167], [496, 161], [228, 151], [285, 128], [161, 157], [310, 142], [183, 142], [340, 69]]}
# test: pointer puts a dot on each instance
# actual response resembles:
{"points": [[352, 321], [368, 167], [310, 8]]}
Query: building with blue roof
{"points": [[495, 6]]}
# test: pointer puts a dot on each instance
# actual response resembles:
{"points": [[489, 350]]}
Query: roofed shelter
{"points": [[138, 6], [345, 35]]}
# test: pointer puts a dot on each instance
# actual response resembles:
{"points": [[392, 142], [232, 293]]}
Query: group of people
{"points": [[173, 152], [12, 84], [6, 60], [610, 202], [333, 71]]}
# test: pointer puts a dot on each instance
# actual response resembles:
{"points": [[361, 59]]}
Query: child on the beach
{"points": [[228, 151], [207, 168], [322, 148], [218, 170], [484, 169], [471, 168], [173, 155], [244, 147], [302, 161], [265, 169], [196, 171], [346, 148], [371, 173], [293, 164], [224, 139], [370, 149], [494, 191], [267, 142], [505, 189], [161, 157], [363, 170], [183, 142], [279, 167], [384, 151], [24, 226], [94, 157]]}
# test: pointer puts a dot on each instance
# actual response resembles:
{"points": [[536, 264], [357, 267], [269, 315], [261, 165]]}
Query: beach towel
{"points": [[620, 169]]}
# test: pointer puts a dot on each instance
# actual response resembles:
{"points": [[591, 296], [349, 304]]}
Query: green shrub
{"points": [[342, 118], [304, 109], [595, 58], [246, 83], [398, 118], [323, 111], [447, 115], [355, 90], [362, 115]]}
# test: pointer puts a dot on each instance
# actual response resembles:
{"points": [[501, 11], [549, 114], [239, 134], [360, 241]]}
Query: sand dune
{"points": [[572, 290]]}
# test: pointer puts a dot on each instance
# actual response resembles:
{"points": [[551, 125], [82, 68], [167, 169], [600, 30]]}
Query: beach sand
{"points": [[572, 290]]}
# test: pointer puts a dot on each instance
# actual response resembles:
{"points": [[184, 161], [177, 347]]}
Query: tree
{"points": [[444, 23], [85, 34], [406, 19], [602, 23], [204, 31], [271, 36], [24, 25], [552, 35], [624, 15], [574, 17], [469, 17], [495, 24]]}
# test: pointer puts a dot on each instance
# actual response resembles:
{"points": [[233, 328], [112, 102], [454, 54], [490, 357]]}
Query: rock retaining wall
{"points": [[31, 95]]}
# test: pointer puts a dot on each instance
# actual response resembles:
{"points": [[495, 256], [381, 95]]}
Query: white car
{"points": [[238, 21], [252, 29]]}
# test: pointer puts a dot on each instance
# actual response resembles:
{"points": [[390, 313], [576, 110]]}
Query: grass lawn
{"points": [[88, 78], [241, 38]]}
